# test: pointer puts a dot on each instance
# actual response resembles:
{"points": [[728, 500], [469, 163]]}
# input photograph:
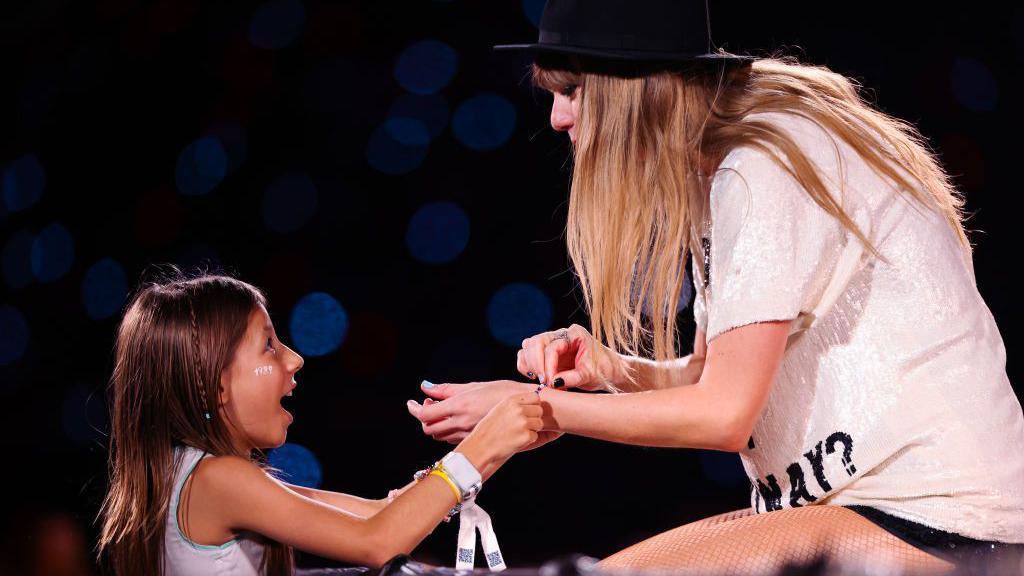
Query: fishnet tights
{"points": [[742, 542]]}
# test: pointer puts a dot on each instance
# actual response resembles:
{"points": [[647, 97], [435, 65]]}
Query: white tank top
{"points": [[238, 557]]}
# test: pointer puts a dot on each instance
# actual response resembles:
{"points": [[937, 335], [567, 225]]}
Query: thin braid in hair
{"points": [[197, 372]]}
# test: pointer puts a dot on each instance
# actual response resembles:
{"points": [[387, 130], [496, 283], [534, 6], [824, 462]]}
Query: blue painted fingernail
{"points": [[427, 384]]}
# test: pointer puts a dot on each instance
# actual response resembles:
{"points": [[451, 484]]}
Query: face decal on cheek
{"points": [[264, 370]]}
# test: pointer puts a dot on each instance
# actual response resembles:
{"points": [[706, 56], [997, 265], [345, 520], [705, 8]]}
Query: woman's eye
{"points": [[569, 90], [270, 345]]}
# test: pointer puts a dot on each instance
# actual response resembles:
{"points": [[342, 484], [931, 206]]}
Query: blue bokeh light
{"points": [[201, 166], [104, 289], [53, 252], [431, 110], [84, 416], [24, 181], [722, 468], [296, 465], [233, 139], [437, 233], [426, 67], [289, 202], [974, 86], [277, 24], [533, 10], [17, 259], [13, 335], [517, 311], [398, 146], [318, 325], [484, 122]]}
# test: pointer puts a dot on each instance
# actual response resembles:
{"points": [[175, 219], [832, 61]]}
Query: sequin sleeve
{"points": [[700, 310], [771, 245]]}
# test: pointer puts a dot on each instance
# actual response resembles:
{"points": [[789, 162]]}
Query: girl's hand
{"points": [[509, 427], [569, 358], [460, 406]]}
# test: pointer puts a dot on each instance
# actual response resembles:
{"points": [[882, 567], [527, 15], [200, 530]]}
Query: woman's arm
{"points": [[717, 412], [680, 371]]}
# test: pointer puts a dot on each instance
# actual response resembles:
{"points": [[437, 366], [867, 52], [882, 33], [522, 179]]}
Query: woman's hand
{"points": [[509, 427], [455, 409], [570, 358]]}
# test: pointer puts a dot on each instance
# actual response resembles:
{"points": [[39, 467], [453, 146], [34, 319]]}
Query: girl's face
{"points": [[564, 109], [252, 387]]}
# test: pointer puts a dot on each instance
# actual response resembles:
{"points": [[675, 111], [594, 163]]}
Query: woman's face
{"points": [[252, 387], [564, 109]]}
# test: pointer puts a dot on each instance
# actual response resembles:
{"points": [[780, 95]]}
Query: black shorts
{"points": [[947, 545]]}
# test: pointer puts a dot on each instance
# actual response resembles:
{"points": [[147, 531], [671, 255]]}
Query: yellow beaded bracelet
{"points": [[444, 476]]}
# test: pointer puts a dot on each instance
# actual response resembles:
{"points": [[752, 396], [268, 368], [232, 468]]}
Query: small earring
{"points": [[206, 415]]}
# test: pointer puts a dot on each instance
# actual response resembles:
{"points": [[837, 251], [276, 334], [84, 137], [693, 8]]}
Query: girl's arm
{"points": [[363, 507], [229, 494], [245, 498]]}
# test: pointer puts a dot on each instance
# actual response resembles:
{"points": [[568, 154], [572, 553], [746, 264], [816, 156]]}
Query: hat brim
{"points": [[623, 55]]}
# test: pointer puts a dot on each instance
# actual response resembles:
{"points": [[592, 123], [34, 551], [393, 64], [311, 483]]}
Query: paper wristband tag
{"points": [[471, 519]]}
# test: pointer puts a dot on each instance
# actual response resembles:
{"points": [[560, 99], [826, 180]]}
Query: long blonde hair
{"points": [[643, 138], [175, 340]]}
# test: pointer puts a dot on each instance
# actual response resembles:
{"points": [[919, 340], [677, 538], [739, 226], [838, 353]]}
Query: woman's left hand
{"points": [[452, 411]]}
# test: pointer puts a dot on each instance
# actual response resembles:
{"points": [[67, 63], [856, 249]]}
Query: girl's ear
{"points": [[224, 390]]}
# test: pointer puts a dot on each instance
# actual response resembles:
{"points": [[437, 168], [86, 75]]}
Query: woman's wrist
{"points": [[479, 456]]}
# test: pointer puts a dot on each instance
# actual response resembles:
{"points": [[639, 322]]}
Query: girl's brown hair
{"points": [[645, 135], [174, 342]]}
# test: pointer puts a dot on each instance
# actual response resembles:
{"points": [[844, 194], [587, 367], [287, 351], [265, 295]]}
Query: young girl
{"points": [[196, 391]]}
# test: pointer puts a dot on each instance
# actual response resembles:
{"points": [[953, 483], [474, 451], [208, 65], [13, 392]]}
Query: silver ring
{"points": [[562, 334]]}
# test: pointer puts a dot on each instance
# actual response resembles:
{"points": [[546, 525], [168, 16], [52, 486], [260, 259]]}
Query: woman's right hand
{"points": [[512, 425], [570, 358]]}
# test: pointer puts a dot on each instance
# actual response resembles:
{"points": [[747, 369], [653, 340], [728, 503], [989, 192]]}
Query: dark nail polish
{"points": [[559, 382]]}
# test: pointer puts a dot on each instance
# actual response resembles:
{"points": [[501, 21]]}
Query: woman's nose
{"points": [[561, 113]]}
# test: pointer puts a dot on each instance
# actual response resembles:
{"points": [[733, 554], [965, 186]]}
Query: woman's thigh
{"points": [[746, 543]]}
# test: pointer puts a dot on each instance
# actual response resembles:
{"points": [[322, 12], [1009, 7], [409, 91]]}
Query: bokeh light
{"points": [[201, 166], [24, 180], [722, 468], [517, 311], [104, 289], [13, 335], [426, 67], [296, 465], [17, 259], [277, 24], [484, 122], [318, 324], [289, 202], [533, 10], [974, 86], [431, 110], [84, 416], [53, 252], [438, 233], [233, 139], [398, 146]]}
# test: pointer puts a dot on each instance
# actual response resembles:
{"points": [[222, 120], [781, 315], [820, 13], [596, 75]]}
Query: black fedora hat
{"points": [[628, 30]]}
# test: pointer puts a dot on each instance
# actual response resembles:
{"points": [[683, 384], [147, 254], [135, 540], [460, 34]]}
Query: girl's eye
{"points": [[568, 90]]}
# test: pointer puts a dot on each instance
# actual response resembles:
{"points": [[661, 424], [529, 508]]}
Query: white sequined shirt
{"points": [[897, 397]]}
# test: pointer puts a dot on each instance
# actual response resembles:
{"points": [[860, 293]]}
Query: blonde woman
{"points": [[842, 347]]}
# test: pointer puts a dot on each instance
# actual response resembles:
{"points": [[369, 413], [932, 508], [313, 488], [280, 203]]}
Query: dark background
{"points": [[114, 114]]}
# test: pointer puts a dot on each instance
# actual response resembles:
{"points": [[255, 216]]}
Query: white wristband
{"points": [[463, 473]]}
